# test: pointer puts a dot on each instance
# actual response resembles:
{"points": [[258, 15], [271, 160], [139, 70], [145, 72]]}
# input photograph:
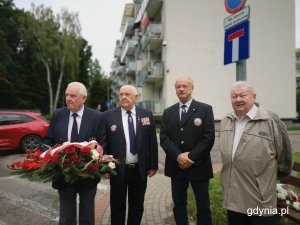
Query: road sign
{"points": [[236, 43], [233, 6], [237, 18]]}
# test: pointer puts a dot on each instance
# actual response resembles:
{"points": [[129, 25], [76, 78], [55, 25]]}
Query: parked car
{"points": [[22, 130]]}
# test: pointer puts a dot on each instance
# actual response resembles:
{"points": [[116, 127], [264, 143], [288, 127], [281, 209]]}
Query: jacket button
{"points": [[182, 142], [181, 129]]}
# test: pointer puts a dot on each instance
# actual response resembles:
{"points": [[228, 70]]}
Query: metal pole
{"points": [[241, 73], [108, 104]]}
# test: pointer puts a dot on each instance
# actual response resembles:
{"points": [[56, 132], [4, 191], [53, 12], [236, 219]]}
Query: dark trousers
{"points": [[67, 200], [235, 218], [179, 195], [136, 188]]}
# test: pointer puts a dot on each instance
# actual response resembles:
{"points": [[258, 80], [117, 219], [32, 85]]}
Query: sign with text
{"points": [[237, 18]]}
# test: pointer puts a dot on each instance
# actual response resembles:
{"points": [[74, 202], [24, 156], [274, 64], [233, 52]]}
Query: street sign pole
{"points": [[241, 70], [236, 41]]}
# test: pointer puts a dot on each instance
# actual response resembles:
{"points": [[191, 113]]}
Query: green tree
{"points": [[98, 86], [57, 40]]}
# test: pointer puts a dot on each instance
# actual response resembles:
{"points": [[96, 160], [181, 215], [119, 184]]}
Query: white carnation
{"points": [[95, 154], [112, 165]]}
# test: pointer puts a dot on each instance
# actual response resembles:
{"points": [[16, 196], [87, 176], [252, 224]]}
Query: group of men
{"points": [[251, 148]]}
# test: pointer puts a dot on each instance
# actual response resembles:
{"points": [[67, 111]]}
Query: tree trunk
{"points": [[49, 86], [59, 82]]}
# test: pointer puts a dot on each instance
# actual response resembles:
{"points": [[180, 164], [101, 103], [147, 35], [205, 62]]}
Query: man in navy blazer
{"points": [[89, 125], [187, 136], [138, 159]]}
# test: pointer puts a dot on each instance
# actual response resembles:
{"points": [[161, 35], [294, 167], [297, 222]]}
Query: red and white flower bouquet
{"points": [[72, 161], [289, 197]]}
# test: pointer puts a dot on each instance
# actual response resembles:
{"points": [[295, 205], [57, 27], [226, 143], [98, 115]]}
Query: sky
{"points": [[101, 20], [100, 23]]}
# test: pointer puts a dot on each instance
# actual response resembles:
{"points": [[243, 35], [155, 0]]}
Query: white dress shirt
{"points": [[188, 103], [130, 158], [240, 125], [71, 120]]}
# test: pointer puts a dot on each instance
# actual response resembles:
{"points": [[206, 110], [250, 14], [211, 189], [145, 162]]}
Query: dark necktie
{"points": [[183, 113], [74, 132], [131, 133]]}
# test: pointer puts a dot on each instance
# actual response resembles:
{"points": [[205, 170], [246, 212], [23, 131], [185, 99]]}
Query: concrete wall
{"points": [[194, 34]]}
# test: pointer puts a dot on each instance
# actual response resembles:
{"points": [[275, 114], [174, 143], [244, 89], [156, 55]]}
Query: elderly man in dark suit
{"points": [[131, 138], [187, 136], [76, 123]]}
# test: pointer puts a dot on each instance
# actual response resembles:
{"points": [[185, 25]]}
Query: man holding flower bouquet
{"points": [[76, 123], [130, 138]]}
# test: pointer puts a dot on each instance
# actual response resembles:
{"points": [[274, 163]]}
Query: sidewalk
{"points": [[158, 199], [158, 202]]}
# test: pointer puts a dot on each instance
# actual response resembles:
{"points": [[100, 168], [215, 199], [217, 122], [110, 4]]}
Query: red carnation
{"points": [[85, 150], [70, 150]]}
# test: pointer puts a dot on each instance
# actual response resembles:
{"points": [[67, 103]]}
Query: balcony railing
{"points": [[156, 106], [128, 28], [128, 49], [152, 72], [152, 7], [130, 67], [153, 36]]}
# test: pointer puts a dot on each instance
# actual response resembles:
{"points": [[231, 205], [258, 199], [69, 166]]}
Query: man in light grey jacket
{"points": [[253, 154]]}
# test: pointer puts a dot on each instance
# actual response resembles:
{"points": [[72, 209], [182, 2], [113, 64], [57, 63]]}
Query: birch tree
{"points": [[58, 42]]}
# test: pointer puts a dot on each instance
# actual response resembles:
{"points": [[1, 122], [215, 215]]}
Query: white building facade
{"points": [[164, 39]]}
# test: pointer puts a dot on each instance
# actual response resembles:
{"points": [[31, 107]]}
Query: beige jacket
{"points": [[249, 180]]}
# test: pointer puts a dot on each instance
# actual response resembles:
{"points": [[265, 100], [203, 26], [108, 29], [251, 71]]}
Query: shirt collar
{"points": [[188, 103], [79, 113], [251, 114], [133, 111]]}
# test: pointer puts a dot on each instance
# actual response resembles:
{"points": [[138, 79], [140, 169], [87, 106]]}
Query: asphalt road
{"points": [[24, 202]]}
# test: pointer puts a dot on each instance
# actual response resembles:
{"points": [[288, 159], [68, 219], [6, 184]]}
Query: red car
{"points": [[22, 130]]}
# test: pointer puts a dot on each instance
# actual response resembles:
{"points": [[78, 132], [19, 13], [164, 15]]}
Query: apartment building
{"points": [[163, 39]]}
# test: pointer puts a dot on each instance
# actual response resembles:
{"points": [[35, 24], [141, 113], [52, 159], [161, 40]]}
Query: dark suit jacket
{"points": [[195, 135], [91, 128], [146, 142]]}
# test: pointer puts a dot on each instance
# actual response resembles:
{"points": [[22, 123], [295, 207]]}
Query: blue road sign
{"points": [[236, 43]]}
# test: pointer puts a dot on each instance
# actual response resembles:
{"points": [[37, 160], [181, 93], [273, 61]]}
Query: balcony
{"points": [[128, 49], [151, 73], [156, 106], [130, 68], [128, 27], [152, 7], [153, 36]]}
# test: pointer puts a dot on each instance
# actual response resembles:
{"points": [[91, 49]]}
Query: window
{"points": [[7, 119]]}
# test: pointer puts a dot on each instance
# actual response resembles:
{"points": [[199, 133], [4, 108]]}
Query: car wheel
{"points": [[31, 143]]}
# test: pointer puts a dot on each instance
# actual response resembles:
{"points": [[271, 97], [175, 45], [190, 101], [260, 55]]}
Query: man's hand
{"points": [[151, 173], [184, 161]]}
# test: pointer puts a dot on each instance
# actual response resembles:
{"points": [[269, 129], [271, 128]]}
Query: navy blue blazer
{"points": [[91, 127], [195, 135], [146, 142]]}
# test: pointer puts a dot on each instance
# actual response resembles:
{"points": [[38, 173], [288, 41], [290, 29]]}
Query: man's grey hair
{"points": [[185, 77], [131, 87], [243, 84], [82, 88]]}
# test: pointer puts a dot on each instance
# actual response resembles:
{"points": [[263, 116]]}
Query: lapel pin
{"points": [[113, 128]]}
